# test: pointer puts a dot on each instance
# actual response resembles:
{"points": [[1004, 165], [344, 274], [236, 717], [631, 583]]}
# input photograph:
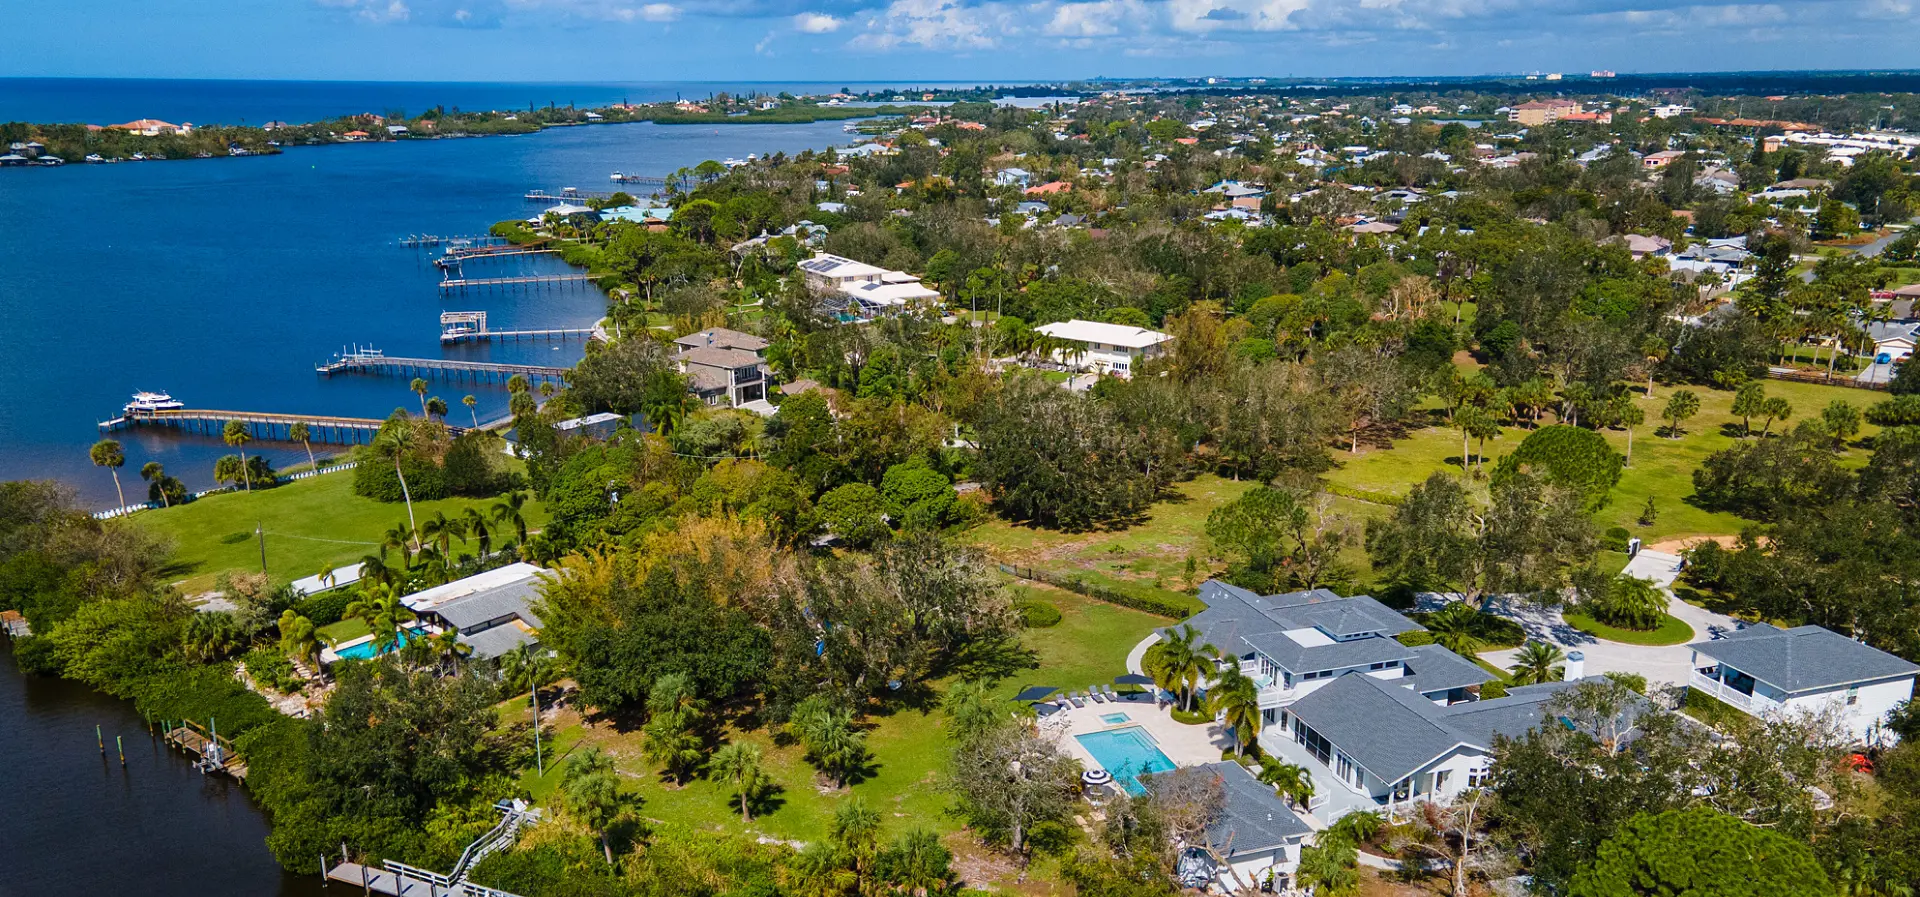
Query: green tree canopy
{"points": [[1567, 456], [1700, 852]]}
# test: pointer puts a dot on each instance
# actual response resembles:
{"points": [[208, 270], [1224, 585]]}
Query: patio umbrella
{"points": [[1036, 692], [1096, 777], [1133, 679]]}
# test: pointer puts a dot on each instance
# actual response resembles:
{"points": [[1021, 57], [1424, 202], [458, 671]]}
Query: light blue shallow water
{"points": [[1126, 753], [223, 281]]}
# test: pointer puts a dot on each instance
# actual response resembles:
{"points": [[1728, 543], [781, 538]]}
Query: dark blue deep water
{"points": [[223, 281]]}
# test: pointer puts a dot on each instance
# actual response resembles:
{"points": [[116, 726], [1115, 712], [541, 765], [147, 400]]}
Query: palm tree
{"points": [[419, 387], [1178, 665], [402, 537], [300, 433], [546, 389], [1291, 780], [437, 407], [1538, 662], [471, 404], [476, 523], [156, 476], [740, 763], [1456, 628], [297, 636], [1682, 405], [517, 383], [590, 790], [448, 647], [1235, 698], [1329, 868], [373, 568], [831, 741], [525, 667], [210, 635], [107, 453], [442, 530], [392, 443], [237, 434], [508, 510], [383, 613]]}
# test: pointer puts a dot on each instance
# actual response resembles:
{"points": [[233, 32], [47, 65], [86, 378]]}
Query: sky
{"points": [[984, 41]]}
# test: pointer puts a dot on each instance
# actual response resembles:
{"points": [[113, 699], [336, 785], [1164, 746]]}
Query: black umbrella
{"points": [[1133, 679], [1036, 692]]}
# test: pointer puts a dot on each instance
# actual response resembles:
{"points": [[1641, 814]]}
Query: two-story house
{"points": [[1295, 643], [856, 291], [1114, 349], [722, 364], [1763, 669]]}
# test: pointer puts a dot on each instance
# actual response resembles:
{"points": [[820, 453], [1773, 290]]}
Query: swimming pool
{"points": [[1114, 719], [1126, 753], [364, 650]]}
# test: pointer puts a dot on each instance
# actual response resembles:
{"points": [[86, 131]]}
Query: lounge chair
{"points": [[1074, 699], [1098, 698], [1110, 693]]}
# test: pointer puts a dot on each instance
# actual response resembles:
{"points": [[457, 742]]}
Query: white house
{"points": [[1763, 669], [856, 291], [1106, 348]]}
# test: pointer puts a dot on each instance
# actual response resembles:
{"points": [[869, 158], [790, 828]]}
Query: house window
{"points": [[1440, 779], [1477, 778], [1344, 768], [1403, 789], [1853, 696]]}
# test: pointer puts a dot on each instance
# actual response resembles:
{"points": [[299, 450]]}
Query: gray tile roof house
{"points": [[491, 610], [1804, 658], [1254, 818], [1297, 641], [1392, 733], [722, 338]]}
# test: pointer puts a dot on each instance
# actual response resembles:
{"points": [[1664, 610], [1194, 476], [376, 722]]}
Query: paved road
{"points": [[1668, 664]]}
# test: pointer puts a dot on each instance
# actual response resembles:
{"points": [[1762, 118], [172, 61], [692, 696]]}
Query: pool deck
{"points": [[1183, 744]]}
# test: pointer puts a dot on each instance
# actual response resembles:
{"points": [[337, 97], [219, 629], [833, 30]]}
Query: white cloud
{"points": [[659, 12], [947, 25], [816, 23]]}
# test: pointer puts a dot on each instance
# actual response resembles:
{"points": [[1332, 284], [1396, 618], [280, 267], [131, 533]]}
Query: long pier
{"points": [[425, 241], [567, 195], [262, 425], [462, 284], [494, 252], [449, 339], [478, 371]]}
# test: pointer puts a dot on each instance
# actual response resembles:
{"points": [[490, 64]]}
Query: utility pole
{"points": [[261, 533]]}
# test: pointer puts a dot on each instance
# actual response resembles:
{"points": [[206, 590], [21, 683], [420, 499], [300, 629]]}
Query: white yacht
{"points": [[153, 401]]}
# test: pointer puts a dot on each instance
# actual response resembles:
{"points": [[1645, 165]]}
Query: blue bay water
{"points": [[224, 281]]}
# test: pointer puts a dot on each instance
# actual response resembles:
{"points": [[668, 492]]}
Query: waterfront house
{"points": [[598, 426], [1114, 349], [722, 364], [153, 127], [491, 611], [856, 291], [1763, 669]]}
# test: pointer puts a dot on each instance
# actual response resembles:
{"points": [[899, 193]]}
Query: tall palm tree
{"points": [[108, 454], [419, 387], [156, 476], [1456, 628], [401, 537], [373, 568], [590, 790], [517, 383], [1178, 664], [1538, 662], [442, 530], [471, 404], [1293, 781], [1235, 698], [437, 407], [508, 510], [740, 763], [237, 434], [392, 443], [476, 523], [298, 638], [300, 433]]}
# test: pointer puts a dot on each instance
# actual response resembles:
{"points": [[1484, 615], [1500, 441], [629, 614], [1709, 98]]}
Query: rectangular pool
{"points": [[365, 650], [1126, 753]]}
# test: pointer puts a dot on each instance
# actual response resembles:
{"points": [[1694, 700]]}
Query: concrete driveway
{"points": [[1665, 664]]}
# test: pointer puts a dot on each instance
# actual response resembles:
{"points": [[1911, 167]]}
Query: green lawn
{"points": [[1150, 554], [343, 631], [1671, 631], [311, 523], [909, 745], [1662, 467]]}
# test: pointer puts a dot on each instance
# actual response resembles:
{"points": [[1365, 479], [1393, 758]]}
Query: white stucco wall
{"points": [[1870, 706]]}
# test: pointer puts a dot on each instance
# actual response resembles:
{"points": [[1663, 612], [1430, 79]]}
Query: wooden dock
{"points": [[263, 425], [478, 371], [212, 752], [531, 281], [14, 624], [494, 252], [428, 241], [481, 336], [568, 195]]}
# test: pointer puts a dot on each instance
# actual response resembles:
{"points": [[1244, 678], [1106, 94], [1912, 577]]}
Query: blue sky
{"points": [[984, 40]]}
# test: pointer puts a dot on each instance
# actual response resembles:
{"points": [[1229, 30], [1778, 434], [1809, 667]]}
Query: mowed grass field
{"points": [[310, 524], [909, 743]]}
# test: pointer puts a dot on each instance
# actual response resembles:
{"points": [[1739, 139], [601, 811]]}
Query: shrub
{"points": [[1415, 638], [1615, 538], [1492, 689], [1037, 614], [272, 669], [854, 512], [326, 608]]}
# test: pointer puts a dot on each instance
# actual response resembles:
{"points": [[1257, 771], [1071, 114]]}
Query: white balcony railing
{"points": [[1726, 693]]}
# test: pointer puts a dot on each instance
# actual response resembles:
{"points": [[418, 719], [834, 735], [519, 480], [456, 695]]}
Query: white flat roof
{"points": [[479, 582], [1111, 334]]}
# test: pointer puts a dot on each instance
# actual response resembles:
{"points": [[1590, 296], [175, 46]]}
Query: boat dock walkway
{"points": [[14, 624], [494, 252], [263, 425], [568, 195], [427, 241], [211, 751], [482, 371], [400, 880], [462, 284], [516, 335]]}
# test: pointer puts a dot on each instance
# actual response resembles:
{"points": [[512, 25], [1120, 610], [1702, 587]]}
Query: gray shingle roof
{"points": [[722, 338], [1389, 730], [1304, 659], [491, 604], [1255, 819], [1804, 658], [1237, 620], [1435, 668], [499, 640]]}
